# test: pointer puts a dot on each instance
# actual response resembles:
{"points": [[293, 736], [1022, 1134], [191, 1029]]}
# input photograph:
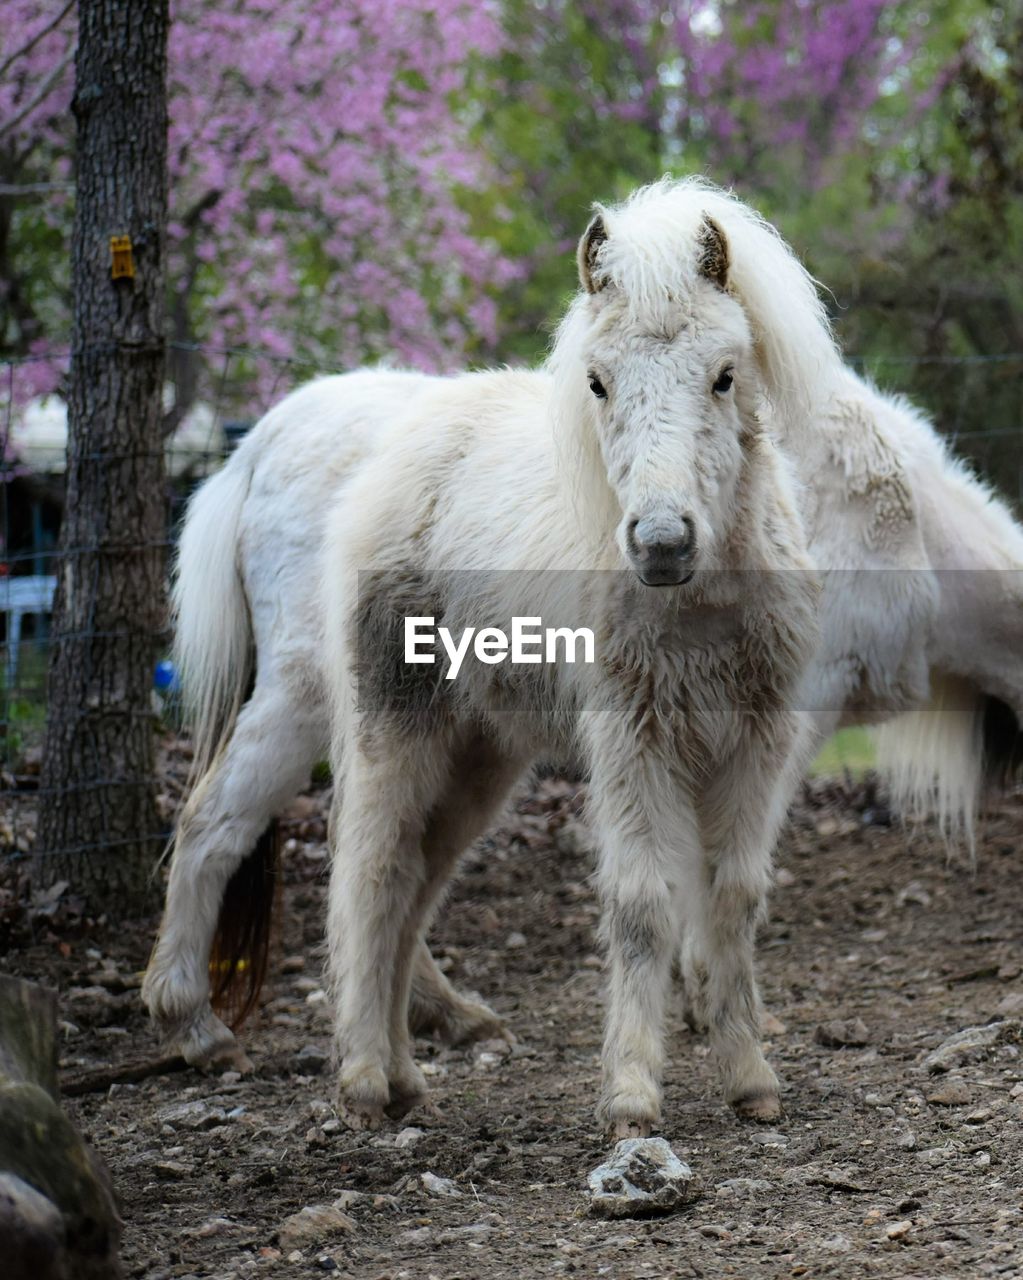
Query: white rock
{"points": [[408, 1137], [312, 1224], [643, 1176], [971, 1043], [435, 1186]]}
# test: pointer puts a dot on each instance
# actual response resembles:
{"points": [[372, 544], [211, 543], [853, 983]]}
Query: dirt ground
{"points": [[879, 1167]]}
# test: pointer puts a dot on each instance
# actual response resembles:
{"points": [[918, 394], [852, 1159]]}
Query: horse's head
{"points": [[659, 368]]}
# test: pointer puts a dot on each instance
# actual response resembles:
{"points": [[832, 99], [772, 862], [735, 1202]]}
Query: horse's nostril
{"points": [[658, 538]]}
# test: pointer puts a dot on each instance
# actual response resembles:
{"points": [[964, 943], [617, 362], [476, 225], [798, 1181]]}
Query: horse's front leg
{"points": [[649, 841], [741, 813]]}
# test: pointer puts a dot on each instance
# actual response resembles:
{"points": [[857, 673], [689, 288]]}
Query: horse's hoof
{"points": [[631, 1129], [633, 1112], [464, 1024], [761, 1106], [363, 1097], [408, 1090], [211, 1046]]}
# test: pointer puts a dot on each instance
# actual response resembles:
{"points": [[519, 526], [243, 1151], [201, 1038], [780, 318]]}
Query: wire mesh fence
{"points": [[213, 396]]}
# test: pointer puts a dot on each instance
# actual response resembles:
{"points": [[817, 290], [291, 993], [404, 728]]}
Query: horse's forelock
{"points": [[655, 255]]}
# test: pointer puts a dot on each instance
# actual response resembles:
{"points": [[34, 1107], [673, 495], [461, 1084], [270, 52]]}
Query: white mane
{"points": [[653, 251]]}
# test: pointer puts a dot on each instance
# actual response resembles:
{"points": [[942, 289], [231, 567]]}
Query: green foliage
{"points": [[903, 196], [545, 114]]}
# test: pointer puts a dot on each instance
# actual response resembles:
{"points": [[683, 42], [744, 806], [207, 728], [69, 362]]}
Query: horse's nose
{"points": [[663, 537], [662, 548]]}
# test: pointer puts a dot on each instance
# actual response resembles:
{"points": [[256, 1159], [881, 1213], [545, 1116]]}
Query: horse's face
{"points": [[673, 394]]}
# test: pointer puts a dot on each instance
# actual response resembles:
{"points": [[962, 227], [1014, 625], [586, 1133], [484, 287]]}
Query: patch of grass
{"points": [[848, 751], [23, 706]]}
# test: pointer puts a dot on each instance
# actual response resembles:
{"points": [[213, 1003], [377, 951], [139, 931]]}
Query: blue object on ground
{"points": [[165, 677]]}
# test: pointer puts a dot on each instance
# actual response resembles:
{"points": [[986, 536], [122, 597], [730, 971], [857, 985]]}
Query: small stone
{"points": [[771, 1026], [211, 1227], [983, 1159], [230, 1077], [470, 1232], [970, 1044], [408, 1137], [196, 1115], [418, 1235], [839, 1034], [292, 964], [744, 1186], [173, 1170], [784, 878], [312, 1224], [906, 1140], [643, 1176], [315, 1138], [500, 1048], [836, 1243], [1010, 1005], [311, 1059], [914, 893], [951, 1093], [442, 1187], [899, 1230], [515, 941], [769, 1138], [1017, 1090], [979, 1115]]}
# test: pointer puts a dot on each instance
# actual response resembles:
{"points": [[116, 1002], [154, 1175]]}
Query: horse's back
{"points": [[302, 454]]}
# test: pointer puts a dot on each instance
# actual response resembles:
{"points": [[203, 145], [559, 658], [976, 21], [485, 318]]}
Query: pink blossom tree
{"points": [[316, 150]]}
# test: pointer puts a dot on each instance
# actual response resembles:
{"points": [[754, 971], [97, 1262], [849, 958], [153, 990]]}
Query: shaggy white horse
{"points": [[628, 487], [927, 644]]}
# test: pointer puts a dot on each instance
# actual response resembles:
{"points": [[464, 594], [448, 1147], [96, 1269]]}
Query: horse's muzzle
{"points": [[661, 550]]}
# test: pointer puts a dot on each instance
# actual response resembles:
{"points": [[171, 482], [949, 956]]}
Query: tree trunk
{"points": [[98, 823], [58, 1220]]}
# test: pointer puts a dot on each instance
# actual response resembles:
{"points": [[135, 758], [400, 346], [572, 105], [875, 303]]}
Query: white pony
{"points": [[928, 644], [628, 487]]}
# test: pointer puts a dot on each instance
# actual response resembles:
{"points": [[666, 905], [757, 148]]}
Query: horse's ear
{"points": [[593, 237], [713, 249]]}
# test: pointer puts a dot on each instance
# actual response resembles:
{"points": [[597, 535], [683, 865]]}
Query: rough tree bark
{"points": [[58, 1220], [98, 823]]}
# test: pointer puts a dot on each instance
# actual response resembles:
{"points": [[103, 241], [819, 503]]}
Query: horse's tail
{"points": [[214, 653], [241, 945], [939, 760], [213, 648]]}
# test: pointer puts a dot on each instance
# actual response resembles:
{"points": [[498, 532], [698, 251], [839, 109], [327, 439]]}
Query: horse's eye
{"points": [[724, 382], [597, 387]]}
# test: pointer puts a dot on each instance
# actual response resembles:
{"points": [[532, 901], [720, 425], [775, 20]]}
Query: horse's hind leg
{"points": [[480, 777], [407, 813], [437, 1008], [266, 762]]}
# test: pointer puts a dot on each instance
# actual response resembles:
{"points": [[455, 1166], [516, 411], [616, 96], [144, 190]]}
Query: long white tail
{"points": [[934, 758], [212, 629]]}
